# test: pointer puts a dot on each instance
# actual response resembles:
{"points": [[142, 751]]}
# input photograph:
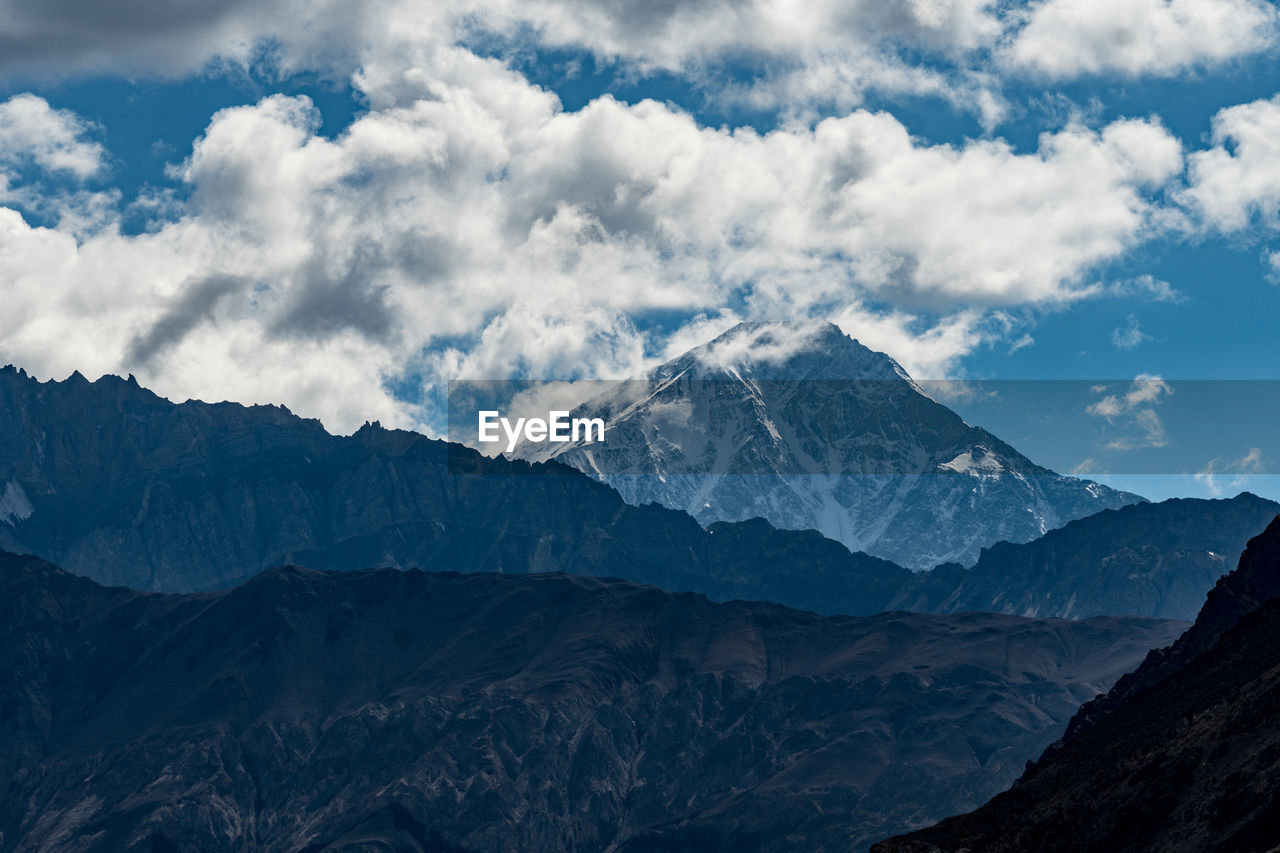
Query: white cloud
{"points": [[1221, 476], [1147, 287], [46, 156], [1133, 413], [32, 132], [1085, 467], [1237, 181], [837, 51], [925, 351], [467, 226], [830, 57], [1069, 38], [1130, 335], [673, 34], [1022, 343], [764, 343]]}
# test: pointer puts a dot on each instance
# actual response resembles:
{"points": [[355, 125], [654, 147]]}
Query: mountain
{"points": [[117, 484], [408, 710], [1254, 582], [114, 483], [807, 428], [1148, 559], [1185, 755]]}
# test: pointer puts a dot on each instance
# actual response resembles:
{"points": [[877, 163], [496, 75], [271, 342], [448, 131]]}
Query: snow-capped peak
{"points": [[785, 351], [802, 425]]}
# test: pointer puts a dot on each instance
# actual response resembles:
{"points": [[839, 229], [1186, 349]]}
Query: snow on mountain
{"points": [[807, 428]]}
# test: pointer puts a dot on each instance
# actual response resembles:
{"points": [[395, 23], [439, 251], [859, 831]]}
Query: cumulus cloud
{"points": [[833, 54], [33, 133], [1069, 38], [672, 34], [836, 51], [1236, 182], [467, 225], [48, 159], [56, 37], [829, 58]]}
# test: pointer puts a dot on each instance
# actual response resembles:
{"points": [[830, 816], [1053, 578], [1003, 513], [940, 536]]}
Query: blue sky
{"points": [[343, 208]]}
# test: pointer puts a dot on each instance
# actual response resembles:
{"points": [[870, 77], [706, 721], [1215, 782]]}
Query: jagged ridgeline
{"points": [[117, 484]]}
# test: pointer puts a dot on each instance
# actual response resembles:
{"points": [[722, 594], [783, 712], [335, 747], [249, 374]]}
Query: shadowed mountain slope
{"points": [[1150, 559], [407, 710], [1182, 755]]}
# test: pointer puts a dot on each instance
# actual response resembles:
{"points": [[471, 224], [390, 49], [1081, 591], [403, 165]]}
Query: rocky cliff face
{"points": [[1183, 755], [406, 710], [807, 428]]}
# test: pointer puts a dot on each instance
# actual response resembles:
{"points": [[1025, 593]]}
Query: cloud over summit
{"points": [[466, 222]]}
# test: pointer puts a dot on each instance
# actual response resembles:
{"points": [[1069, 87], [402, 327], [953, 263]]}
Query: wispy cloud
{"points": [[1130, 335], [1085, 466], [1133, 414], [1021, 343], [1222, 476], [1146, 287]]}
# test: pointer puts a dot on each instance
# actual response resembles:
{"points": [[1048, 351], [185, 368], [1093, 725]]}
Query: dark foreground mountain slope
{"points": [[1150, 559], [389, 710], [112, 482], [1255, 581], [1184, 755]]}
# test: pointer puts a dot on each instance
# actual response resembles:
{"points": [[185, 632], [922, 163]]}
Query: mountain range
{"points": [[809, 429], [1148, 559], [117, 484], [497, 703], [1181, 755], [415, 711], [114, 483]]}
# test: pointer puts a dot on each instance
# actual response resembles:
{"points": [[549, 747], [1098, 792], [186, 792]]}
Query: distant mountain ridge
{"points": [[1181, 756], [1250, 585], [125, 487], [807, 428], [437, 711], [1143, 559]]}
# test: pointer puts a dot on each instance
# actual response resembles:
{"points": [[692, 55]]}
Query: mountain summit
{"points": [[807, 428]]}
